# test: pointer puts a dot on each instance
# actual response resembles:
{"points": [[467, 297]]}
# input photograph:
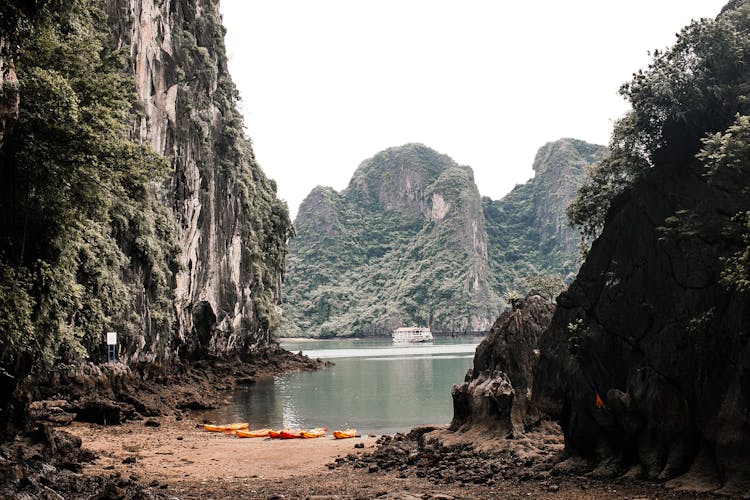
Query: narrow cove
{"points": [[375, 386]]}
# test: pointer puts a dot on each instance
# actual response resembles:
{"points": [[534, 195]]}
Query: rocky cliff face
{"points": [[645, 362], [376, 255], [497, 393], [648, 323], [231, 228], [411, 241]]}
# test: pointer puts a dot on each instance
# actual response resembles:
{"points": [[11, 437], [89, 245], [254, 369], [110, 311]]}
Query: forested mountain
{"points": [[131, 200], [410, 240], [528, 229]]}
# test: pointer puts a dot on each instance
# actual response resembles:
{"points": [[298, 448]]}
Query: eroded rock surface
{"points": [[648, 325], [231, 227], [498, 390]]}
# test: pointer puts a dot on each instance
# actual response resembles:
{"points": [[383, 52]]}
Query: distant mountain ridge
{"points": [[528, 228], [411, 241]]}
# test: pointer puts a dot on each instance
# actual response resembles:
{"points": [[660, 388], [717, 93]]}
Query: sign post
{"points": [[111, 347]]}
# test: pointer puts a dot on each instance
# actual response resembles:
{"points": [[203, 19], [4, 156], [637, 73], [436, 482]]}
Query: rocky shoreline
{"points": [[114, 393], [483, 466], [45, 461], [178, 459]]}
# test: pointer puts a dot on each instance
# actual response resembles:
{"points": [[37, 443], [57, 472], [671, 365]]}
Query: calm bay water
{"points": [[375, 386]]}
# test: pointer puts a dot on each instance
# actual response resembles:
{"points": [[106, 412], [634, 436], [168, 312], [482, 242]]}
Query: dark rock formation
{"points": [[648, 325], [646, 362], [497, 391], [48, 464], [422, 453], [112, 393], [484, 399]]}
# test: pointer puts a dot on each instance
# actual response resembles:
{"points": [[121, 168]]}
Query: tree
{"points": [[726, 157], [548, 286], [693, 89]]}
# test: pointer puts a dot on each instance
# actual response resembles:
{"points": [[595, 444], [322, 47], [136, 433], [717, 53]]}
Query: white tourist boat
{"points": [[412, 334]]}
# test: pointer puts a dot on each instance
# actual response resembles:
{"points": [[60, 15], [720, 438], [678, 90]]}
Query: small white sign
{"points": [[111, 338]]}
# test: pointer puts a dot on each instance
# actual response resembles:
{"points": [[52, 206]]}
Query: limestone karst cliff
{"points": [[528, 228], [496, 394], [130, 198], [410, 240], [374, 256], [231, 228], [657, 318]]}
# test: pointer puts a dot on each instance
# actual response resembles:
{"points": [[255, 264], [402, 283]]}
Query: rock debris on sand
{"points": [[427, 463]]}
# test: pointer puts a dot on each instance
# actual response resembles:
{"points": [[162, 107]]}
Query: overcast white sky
{"points": [[327, 84]]}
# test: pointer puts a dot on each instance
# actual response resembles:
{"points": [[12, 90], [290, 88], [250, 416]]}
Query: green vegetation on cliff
{"points": [[100, 231], [374, 256], [225, 156], [528, 229], [694, 88], [658, 315], [78, 209], [411, 241], [690, 112]]}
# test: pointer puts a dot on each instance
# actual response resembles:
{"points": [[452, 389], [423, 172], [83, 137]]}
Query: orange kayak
{"points": [[348, 433], [314, 433], [287, 434], [258, 433], [225, 427], [276, 434]]}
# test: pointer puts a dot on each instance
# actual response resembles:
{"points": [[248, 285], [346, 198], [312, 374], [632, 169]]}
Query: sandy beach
{"points": [[180, 460], [180, 451]]}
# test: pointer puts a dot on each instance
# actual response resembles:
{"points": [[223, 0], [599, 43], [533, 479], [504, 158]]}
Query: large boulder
{"points": [[497, 391]]}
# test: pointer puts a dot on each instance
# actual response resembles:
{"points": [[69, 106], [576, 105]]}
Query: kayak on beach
{"points": [[258, 433], [297, 433], [287, 434], [314, 433], [277, 434], [346, 434], [225, 427], [242, 430]]}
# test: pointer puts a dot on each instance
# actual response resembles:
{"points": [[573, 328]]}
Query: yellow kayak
{"points": [[314, 433], [258, 433], [348, 433], [225, 427]]}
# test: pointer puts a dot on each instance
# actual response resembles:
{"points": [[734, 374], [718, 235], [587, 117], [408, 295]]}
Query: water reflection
{"points": [[377, 388]]}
